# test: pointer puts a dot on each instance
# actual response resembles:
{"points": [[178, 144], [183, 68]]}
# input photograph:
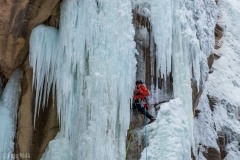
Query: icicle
{"points": [[178, 50], [91, 62], [43, 63], [161, 18]]}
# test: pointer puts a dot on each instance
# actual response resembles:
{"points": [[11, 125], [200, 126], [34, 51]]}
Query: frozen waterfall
{"points": [[90, 63]]}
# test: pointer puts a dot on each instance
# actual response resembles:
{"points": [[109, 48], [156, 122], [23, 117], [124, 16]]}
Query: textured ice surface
{"points": [[8, 114], [142, 7], [233, 151], [179, 49], [58, 149], [204, 132], [223, 88], [184, 35], [183, 26], [91, 62], [168, 136]]}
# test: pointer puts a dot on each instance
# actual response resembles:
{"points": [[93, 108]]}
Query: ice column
{"points": [[91, 62], [178, 49], [8, 114], [161, 18], [181, 51]]}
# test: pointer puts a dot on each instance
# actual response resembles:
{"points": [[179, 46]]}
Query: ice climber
{"points": [[140, 94]]}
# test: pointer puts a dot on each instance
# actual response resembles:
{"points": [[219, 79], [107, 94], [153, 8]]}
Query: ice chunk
{"points": [[168, 136]]}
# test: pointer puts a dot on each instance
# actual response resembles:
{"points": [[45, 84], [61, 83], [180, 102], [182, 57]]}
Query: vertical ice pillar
{"points": [[8, 114], [162, 23], [91, 62], [181, 70], [178, 50]]}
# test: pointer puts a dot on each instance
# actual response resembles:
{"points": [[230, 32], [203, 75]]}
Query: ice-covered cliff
{"points": [[217, 124], [182, 39], [216, 121], [84, 72]]}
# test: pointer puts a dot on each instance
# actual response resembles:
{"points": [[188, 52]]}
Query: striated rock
{"points": [[222, 144], [210, 61], [196, 94], [218, 35], [32, 141], [212, 102], [135, 143], [17, 18], [142, 45], [46, 128], [25, 115], [212, 154], [192, 155]]}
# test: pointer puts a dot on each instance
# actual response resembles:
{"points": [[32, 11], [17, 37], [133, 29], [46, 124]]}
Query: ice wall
{"points": [[8, 114], [222, 89], [90, 61], [178, 28], [184, 35]]}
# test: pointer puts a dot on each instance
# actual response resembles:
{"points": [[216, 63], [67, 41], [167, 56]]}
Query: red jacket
{"points": [[141, 92]]}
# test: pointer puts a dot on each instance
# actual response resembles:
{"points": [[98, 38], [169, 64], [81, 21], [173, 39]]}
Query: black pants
{"points": [[142, 110]]}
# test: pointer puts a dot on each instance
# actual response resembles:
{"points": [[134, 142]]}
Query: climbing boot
{"points": [[152, 120]]}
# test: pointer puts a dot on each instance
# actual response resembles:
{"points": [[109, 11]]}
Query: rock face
{"points": [[31, 140], [212, 154], [46, 128], [142, 38], [135, 139], [25, 116], [17, 19]]}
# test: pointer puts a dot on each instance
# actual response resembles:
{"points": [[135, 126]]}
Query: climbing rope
{"points": [[145, 126]]}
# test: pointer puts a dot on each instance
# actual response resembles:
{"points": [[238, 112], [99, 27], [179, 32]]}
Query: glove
{"points": [[137, 92], [146, 106]]}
